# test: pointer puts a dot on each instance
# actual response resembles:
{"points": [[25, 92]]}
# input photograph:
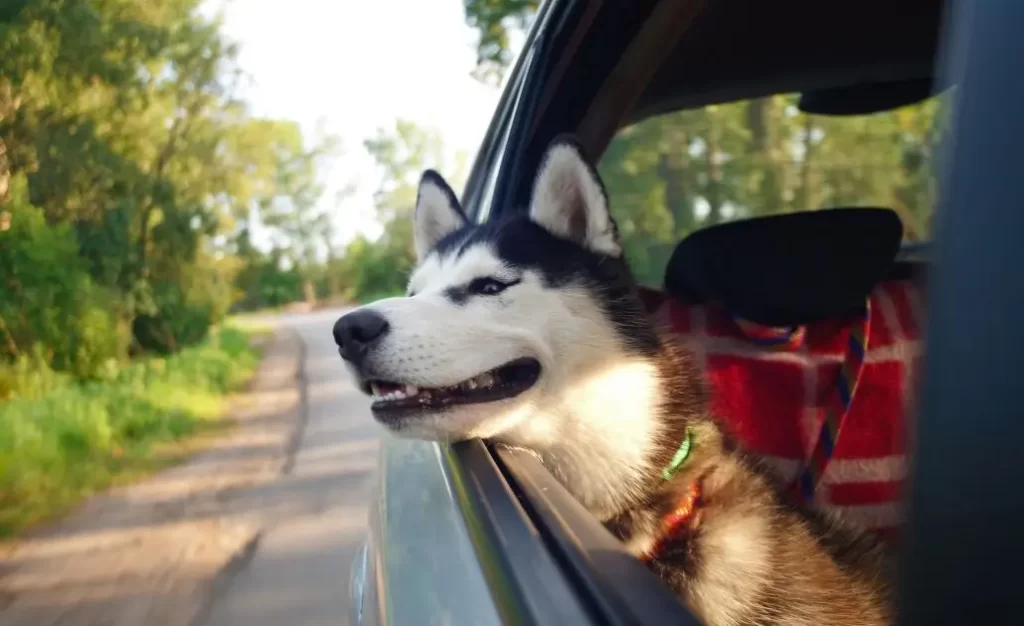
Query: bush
{"points": [[30, 376], [47, 299], [177, 323], [186, 307], [97, 341], [264, 284], [78, 438]]}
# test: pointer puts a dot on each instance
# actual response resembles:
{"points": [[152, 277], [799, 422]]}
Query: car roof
{"points": [[739, 49], [728, 50]]}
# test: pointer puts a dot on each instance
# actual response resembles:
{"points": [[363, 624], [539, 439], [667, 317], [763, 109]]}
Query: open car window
{"points": [[666, 179], [672, 174]]}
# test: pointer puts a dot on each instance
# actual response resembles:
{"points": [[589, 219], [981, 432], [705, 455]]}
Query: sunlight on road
{"points": [[299, 572]]}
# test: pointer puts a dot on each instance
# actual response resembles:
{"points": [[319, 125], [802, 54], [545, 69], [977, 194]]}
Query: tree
{"points": [[402, 154], [372, 269], [294, 209], [672, 174], [127, 166], [492, 20]]}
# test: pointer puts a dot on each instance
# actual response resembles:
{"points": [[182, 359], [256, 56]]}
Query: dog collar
{"points": [[676, 520], [679, 457], [674, 524]]}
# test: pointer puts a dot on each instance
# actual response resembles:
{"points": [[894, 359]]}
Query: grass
{"points": [[58, 448], [255, 324]]}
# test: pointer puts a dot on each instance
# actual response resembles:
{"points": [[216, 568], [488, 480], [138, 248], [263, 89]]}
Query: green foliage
{"points": [[492, 20], [264, 284], [126, 165], [182, 316], [675, 173], [58, 446], [372, 269], [30, 376], [129, 175], [48, 302]]}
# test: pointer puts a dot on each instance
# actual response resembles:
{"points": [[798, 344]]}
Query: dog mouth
{"points": [[500, 383]]}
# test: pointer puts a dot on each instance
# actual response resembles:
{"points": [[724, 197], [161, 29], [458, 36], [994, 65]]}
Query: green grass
{"points": [[74, 440], [252, 324]]}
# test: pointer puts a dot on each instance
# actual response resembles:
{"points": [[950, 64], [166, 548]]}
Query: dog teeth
{"points": [[398, 394], [405, 392], [477, 382]]}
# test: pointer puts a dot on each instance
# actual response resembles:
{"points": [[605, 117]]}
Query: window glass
{"points": [[670, 175]]}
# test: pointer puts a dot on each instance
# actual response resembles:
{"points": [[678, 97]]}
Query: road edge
{"points": [[237, 563]]}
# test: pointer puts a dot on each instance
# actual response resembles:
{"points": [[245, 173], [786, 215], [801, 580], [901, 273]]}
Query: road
{"points": [[259, 528], [298, 574]]}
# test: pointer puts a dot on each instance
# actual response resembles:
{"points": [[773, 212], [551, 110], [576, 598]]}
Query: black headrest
{"points": [[788, 269], [867, 99]]}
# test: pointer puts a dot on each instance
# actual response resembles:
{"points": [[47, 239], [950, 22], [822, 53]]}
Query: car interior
{"points": [[823, 312]]}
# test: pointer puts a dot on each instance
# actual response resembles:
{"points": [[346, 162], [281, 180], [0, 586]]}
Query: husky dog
{"points": [[529, 332]]}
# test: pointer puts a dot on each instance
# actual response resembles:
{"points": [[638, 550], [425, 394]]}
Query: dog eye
{"points": [[487, 286]]}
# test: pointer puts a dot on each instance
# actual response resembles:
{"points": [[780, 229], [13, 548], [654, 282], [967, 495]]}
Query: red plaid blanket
{"points": [[774, 401]]}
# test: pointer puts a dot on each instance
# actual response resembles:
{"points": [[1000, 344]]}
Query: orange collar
{"points": [[674, 524]]}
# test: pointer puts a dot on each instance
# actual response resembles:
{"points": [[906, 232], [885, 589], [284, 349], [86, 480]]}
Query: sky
{"points": [[355, 66]]}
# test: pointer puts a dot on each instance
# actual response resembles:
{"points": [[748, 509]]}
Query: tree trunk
{"points": [[715, 174], [179, 129], [804, 199], [12, 346], [309, 291], [765, 162], [673, 167]]}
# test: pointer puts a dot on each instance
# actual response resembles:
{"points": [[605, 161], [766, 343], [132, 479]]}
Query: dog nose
{"points": [[357, 331]]}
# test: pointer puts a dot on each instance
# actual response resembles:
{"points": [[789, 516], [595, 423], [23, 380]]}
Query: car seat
{"points": [[810, 333]]}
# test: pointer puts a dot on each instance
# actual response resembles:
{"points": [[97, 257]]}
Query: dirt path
{"points": [[298, 573], [155, 553]]}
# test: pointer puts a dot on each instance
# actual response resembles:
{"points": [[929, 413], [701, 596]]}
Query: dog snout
{"points": [[357, 332]]}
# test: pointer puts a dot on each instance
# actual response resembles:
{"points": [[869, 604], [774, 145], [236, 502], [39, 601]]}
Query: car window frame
{"points": [[962, 516]]}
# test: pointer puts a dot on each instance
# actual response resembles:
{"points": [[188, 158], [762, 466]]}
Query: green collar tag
{"points": [[680, 456]]}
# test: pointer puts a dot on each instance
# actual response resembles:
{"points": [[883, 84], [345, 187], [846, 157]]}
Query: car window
{"points": [[672, 174]]}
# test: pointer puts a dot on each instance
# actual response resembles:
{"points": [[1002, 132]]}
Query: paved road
{"points": [[298, 574]]}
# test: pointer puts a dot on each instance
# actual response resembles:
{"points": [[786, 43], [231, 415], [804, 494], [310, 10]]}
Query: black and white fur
{"points": [[610, 404]]}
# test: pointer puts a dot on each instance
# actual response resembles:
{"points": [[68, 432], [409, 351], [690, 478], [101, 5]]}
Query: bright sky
{"points": [[357, 66]]}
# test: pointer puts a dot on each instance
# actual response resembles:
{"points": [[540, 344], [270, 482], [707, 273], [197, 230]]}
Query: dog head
{"points": [[514, 328]]}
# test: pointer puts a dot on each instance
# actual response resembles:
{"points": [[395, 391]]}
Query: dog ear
{"points": [[437, 212], [569, 199]]}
